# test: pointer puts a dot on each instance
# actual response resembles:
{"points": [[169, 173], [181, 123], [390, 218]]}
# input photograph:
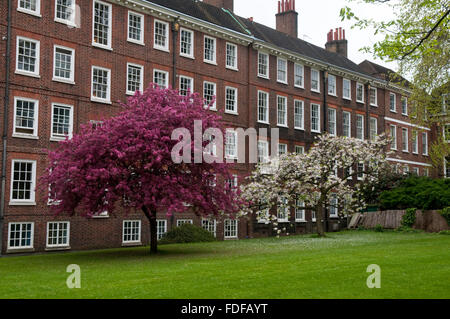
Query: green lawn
{"points": [[412, 266]]}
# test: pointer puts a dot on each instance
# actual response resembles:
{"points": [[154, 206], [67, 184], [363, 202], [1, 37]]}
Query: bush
{"points": [[421, 192], [187, 233], [446, 214], [409, 218], [405, 229], [444, 232], [378, 228]]}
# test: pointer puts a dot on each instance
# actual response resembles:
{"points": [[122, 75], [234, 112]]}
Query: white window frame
{"points": [[206, 225], [298, 210], [142, 30], [36, 118], [71, 80], [214, 106], [405, 146], [156, 46], [263, 145], [38, 58], [393, 128], [285, 80], [445, 130], [184, 221], [235, 108], [108, 93], [186, 55], [138, 241], [35, 13], [415, 142], [214, 60], [301, 104], [233, 155], [393, 110], [373, 129], [425, 143], [166, 85], [261, 75], [349, 97], [95, 44], [31, 236], [283, 146], [284, 122], [404, 98], [360, 178], [296, 75], [334, 201], [283, 212], [266, 94], [24, 202], [318, 118], [299, 149], [349, 124], [362, 95], [73, 15], [333, 93], [334, 122], [360, 129], [191, 80], [67, 244], [231, 236], [314, 71], [235, 66], [375, 95], [54, 137], [158, 233], [141, 83]]}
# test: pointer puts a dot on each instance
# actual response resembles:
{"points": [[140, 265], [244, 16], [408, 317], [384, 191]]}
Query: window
{"points": [[210, 50], [64, 64], [65, 11], [230, 228], [282, 149], [415, 143], [131, 231], [187, 43], [282, 70], [404, 139], [424, 143], [161, 38], [23, 181], [331, 85], [231, 59], [20, 235], [101, 35], [298, 75], [181, 222], [446, 168], [393, 137], [299, 149], [210, 225], [299, 211], [281, 111], [161, 78], [27, 59], [315, 81], [332, 121], [299, 111], [359, 93], [161, 228], [349, 173], [30, 6], [315, 118], [231, 144], [283, 211], [231, 98], [232, 183], [62, 121], [392, 103], [186, 85], [101, 85], [346, 89], [209, 94], [211, 148], [58, 234], [373, 96], [447, 132], [360, 171], [25, 117], [135, 80], [263, 151], [404, 106], [373, 129], [426, 172], [346, 124], [263, 107], [263, 65], [360, 127], [135, 27], [415, 171], [333, 206], [313, 216]]}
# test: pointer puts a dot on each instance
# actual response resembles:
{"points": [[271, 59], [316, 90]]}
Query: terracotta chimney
{"points": [[336, 42], [226, 4], [287, 18]]}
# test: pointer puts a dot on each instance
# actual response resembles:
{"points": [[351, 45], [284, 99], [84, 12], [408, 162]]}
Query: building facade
{"points": [[66, 63]]}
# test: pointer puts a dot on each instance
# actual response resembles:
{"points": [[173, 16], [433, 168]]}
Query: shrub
{"points": [[446, 214], [409, 218], [405, 229], [444, 232], [378, 228], [187, 233]]}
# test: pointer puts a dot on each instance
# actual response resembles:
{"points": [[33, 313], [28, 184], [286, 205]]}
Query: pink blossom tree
{"points": [[126, 164]]}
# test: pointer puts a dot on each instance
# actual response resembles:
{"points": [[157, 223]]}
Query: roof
{"points": [[383, 73]]}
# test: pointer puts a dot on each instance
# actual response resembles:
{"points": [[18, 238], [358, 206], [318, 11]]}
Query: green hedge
{"points": [[187, 233], [421, 192]]}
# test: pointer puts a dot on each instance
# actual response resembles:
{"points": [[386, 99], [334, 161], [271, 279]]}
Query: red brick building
{"points": [[66, 63]]}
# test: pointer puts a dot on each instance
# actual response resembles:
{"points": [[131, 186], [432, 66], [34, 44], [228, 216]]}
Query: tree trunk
{"points": [[319, 218], [151, 216]]}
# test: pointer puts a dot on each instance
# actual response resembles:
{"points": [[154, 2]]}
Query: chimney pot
{"points": [[336, 41], [287, 18]]}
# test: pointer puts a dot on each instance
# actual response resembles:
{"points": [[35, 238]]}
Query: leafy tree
{"points": [[317, 178], [127, 163]]}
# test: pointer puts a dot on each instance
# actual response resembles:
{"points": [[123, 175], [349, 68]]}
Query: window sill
{"points": [[232, 69], [63, 81], [263, 77], [330, 94], [161, 49], [101, 46], [374, 105], [393, 111], [283, 126], [318, 132], [136, 42], [65, 22], [57, 248], [36, 14], [28, 137], [299, 87], [262, 122], [299, 129], [404, 114], [346, 98], [300, 221], [230, 238], [100, 101], [100, 217], [315, 91], [19, 250], [21, 203], [360, 102], [231, 113], [187, 56], [210, 62], [33, 75], [58, 139], [282, 82], [132, 244]]}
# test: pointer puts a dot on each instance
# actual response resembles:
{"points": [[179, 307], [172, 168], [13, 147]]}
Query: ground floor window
{"points": [[313, 216], [131, 231], [184, 221], [230, 228], [161, 228], [210, 225], [58, 234], [20, 235]]}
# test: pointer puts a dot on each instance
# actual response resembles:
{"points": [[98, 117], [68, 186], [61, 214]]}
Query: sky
{"points": [[317, 17]]}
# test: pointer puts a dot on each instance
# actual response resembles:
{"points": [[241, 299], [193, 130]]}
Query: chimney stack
{"points": [[287, 18], [226, 4], [336, 42]]}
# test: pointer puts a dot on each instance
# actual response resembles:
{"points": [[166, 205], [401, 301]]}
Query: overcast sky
{"points": [[317, 17]]}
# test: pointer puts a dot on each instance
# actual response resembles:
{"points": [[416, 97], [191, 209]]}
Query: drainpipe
{"points": [[5, 123], [367, 111], [325, 130], [175, 28]]}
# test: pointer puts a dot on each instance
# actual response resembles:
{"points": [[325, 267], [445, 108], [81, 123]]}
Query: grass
{"points": [[413, 265]]}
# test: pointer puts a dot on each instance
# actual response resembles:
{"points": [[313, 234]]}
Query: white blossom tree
{"points": [[319, 179]]}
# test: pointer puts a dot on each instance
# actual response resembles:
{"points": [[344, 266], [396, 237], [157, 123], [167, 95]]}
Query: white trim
{"points": [[395, 102], [71, 80], [108, 92], [158, 234], [302, 104], [138, 241], [164, 48], [214, 232], [36, 72], [360, 116], [318, 113], [214, 60], [31, 236], [349, 124], [426, 139], [349, 98], [406, 123], [404, 98], [264, 76], [36, 118], [59, 138], [24, 202], [376, 97], [67, 22], [318, 80], [236, 146], [36, 13], [303, 75], [237, 228], [141, 42], [395, 135], [285, 81], [184, 221], [407, 140], [407, 162], [68, 234], [190, 56], [335, 85], [234, 68], [167, 77], [214, 106], [267, 107], [285, 119], [362, 85], [110, 18], [188, 78], [235, 111], [332, 110], [141, 83]]}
